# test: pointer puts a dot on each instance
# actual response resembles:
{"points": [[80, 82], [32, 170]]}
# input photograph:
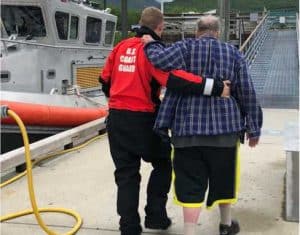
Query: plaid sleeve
{"points": [[248, 102], [167, 58], [166, 112]]}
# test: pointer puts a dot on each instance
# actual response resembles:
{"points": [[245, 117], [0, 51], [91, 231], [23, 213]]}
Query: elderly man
{"points": [[132, 85], [206, 130]]}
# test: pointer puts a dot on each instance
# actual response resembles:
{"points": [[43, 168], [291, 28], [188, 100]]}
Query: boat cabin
{"points": [[48, 46]]}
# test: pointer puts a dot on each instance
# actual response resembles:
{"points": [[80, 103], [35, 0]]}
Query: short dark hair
{"points": [[151, 17]]}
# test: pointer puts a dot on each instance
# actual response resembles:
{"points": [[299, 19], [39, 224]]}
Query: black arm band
{"points": [[217, 88]]}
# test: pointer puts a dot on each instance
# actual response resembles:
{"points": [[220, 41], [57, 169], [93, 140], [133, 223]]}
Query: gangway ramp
{"points": [[275, 71]]}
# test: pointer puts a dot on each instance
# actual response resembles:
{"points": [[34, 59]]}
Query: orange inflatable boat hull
{"points": [[44, 115]]}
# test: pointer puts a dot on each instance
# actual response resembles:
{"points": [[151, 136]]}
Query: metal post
{"points": [[224, 14], [104, 4], [124, 18]]}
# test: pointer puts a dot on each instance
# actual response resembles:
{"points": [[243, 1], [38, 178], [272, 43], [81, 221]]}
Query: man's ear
{"points": [[159, 29]]}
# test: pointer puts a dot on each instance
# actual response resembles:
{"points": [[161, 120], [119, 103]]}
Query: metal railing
{"points": [[255, 40], [8, 43], [297, 27], [298, 41]]}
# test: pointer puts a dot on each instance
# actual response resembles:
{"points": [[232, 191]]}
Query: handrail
{"points": [[297, 27], [53, 46], [253, 33], [256, 39], [298, 41]]}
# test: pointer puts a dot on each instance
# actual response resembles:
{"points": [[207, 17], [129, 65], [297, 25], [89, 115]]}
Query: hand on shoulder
{"points": [[146, 39]]}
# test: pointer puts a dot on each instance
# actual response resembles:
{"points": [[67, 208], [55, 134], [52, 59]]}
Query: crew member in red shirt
{"points": [[133, 87]]}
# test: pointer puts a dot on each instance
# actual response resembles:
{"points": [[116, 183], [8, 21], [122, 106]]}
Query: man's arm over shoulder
{"points": [[167, 58], [248, 102]]}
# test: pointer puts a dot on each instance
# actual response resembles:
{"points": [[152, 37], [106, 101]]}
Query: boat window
{"points": [[23, 21], [109, 32], [93, 30], [74, 27], [62, 24], [5, 76]]}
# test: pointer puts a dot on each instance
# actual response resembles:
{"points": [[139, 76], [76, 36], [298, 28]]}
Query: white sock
{"points": [[225, 213], [190, 228]]}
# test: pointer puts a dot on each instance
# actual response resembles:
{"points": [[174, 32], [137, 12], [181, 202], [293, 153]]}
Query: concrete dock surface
{"points": [[84, 181]]}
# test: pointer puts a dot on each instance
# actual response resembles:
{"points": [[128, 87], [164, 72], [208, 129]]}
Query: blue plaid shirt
{"points": [[188, 115]]}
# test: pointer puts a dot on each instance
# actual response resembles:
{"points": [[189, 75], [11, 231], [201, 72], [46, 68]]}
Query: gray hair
{"points": [[208, 23]]}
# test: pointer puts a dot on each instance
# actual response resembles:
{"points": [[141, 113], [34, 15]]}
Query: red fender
{"points": [[45, 115]]}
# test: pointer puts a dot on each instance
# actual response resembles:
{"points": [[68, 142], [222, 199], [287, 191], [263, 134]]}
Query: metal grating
{"points": [[275, 71]]}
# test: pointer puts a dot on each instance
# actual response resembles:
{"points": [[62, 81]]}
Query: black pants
{"points": [[131, 139]]}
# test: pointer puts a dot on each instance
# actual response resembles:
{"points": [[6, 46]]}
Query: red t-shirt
{"points": [[130, 75]]}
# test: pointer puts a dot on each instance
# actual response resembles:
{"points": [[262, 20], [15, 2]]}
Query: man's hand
{"points": [[252, 142], [146, 39], [226, 89]]}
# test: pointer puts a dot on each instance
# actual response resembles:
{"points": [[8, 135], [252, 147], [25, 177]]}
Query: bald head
{"points": [[208, 25]]}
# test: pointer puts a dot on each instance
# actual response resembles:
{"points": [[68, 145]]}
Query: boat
{"points": [[52, 53]]}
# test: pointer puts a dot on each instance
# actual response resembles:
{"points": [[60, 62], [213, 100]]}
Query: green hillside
{"points": [[178, 6], [241, 5]]}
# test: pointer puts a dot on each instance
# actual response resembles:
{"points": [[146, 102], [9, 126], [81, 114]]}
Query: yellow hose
{"points": [[35, 210]]}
